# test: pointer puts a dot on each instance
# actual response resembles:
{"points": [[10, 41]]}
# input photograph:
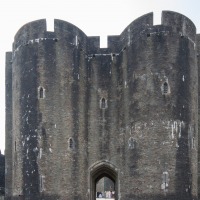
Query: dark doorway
{"points": [[105, 188], [103, 181]]}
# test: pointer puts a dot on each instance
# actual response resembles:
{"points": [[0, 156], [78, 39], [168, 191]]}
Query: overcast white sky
{"points": [[94, 17]]}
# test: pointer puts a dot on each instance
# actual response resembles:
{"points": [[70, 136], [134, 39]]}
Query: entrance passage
{"points": [[105, 189], [103, 182]]}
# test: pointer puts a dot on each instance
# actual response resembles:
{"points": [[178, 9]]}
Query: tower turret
{"points": [[78, 114]]}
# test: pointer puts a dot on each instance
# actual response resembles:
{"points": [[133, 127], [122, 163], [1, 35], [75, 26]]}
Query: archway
{"points": [[106, 171], [105, 187]]}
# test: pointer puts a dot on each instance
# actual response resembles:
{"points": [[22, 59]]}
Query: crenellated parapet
{"points": [[172, 22], [76, 113], [64, 28], [36, 31], [30, 31], [179, 23], [132, 32]]}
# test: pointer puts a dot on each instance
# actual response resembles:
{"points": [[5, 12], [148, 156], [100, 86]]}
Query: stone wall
{"points": [[127, 112], [2, 174]]}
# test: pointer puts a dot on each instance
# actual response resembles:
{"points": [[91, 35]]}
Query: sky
{"points": [[93, 17]]}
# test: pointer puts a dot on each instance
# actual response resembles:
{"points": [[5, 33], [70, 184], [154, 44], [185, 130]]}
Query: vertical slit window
{"points": [[165, 88], [41, 93], [165, 179], [103, 103], [71, 143]]}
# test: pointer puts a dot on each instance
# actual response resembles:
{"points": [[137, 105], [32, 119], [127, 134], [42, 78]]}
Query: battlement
{"points": [[78, 115], [171, 22], [179, 23], [30, 31], [37, 30]]}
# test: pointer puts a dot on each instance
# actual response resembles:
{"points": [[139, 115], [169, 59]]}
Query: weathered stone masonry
{"points": [[76, 112], [2, 175]]}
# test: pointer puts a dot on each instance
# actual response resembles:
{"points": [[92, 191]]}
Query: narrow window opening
{"points": [[165, 179], [148, 34], [41, 92], [71, 143], [103, 103], [165, 88], [15, 146]]}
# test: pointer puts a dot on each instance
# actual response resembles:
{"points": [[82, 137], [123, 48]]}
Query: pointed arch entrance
{"points": [[101, 170]]}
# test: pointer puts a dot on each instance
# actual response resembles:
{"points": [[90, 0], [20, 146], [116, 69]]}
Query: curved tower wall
{"points": [[26, 56], [43, 125], [127, 111], [163, 125], [198, 62]]}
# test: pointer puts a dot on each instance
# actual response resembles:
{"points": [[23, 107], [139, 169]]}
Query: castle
{"points": [[77, 113]]}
